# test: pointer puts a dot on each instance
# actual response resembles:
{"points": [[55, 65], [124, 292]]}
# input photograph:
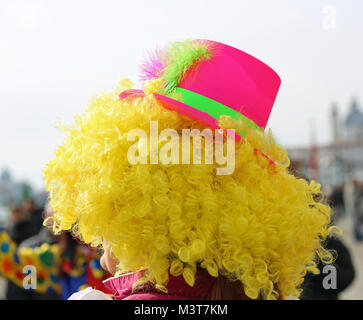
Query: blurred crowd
{"points": [[346, 201], [26, 221], [64, 265], [26, 229]]}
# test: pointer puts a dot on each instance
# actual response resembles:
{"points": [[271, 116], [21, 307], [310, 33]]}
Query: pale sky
{"points": [[54, 55]]}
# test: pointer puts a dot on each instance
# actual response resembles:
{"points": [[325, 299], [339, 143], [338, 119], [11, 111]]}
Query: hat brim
{"points": [[175, 105]]}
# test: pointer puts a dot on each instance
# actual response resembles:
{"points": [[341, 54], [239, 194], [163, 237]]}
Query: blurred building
{"points": [[340, 160], [12, 193]]}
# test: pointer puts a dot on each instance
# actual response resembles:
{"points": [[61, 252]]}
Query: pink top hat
{"points": [[214, 79]]}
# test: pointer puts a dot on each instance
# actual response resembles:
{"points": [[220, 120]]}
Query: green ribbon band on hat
{"points": [[213, 108]]}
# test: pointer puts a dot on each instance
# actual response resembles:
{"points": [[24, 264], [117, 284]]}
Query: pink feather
{"points": [[152, 65]]}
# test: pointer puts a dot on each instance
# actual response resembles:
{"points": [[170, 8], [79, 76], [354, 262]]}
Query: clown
{"points": [[180, 230]]}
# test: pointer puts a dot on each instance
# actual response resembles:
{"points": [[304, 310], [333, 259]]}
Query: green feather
{"points": [[181, 56]]}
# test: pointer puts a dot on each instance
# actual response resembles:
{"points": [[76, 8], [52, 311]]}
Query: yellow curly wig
{"points": [[259, 225]]}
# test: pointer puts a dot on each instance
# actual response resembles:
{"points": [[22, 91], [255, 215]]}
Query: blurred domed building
{"points": [[352, 129], [342, 159]]}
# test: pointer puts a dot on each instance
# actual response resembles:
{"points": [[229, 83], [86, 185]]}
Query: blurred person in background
{"points": [[63, 265], [353, 204], [313, 286], [80, 267], [35, 215], [25, 221], [358, 211], [43, 236], [336, 200], [19, 230], [20, 226]]}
